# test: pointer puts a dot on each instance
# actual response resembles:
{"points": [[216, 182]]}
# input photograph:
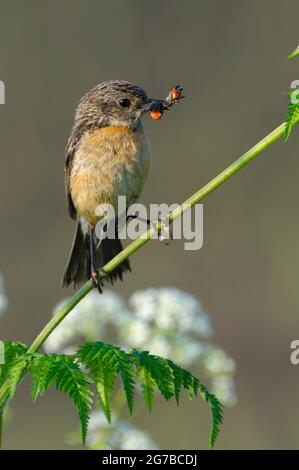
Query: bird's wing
{"points": [[71, 148]]}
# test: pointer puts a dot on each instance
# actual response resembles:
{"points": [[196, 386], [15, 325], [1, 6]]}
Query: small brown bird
{"points": [[108, 155]]}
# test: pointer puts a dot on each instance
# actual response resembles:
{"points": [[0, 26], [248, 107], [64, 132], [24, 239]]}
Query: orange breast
{"points": [[110, 161]]}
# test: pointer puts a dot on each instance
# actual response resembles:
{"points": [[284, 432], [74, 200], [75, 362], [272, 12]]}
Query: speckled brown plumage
{"points": [[107, 155]]}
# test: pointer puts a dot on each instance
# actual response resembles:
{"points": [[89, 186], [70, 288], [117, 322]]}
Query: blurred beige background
{"points": [[231, 59]]}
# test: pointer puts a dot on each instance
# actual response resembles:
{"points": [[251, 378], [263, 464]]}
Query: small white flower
{"points": [[224, 389], [89, 320], [166, 322], [143, 304], [106, 308], [136, 333], [134, 439], [97, 420], [186, 350], [217, 362], [160, 346], [171, 309], [62, 335], [202, 326], [117, 435]]}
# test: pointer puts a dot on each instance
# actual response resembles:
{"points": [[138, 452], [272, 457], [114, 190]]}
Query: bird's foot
{"points": [[160, 225], [163, 229], [98, 280]]}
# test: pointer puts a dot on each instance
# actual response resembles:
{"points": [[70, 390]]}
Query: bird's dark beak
{"points": [[147, 106], [151, 104]]}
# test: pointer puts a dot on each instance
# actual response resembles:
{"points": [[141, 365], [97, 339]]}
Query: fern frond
{"points": [[12, 349], [177, 373], [292, 118], [154, 372], [294, 53], [188, 383], [11, 379], [127, 373], [159, 371], [72, 381], [68, 377], [104, 362], [43, 369], [105, 380], [15, 373], [91, 355], [11, 370], [112, 357], [216, 412], [147, 386]]}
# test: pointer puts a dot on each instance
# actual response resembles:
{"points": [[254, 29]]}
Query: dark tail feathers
{"points": [[77, 270]]}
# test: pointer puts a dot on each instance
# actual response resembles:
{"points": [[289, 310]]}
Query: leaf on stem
{"points": [[294, 53]]}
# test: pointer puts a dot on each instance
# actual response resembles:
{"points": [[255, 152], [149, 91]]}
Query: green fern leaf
{"points": [[104, 362], [9, 371], [153, 372], [294, 53], [14, 374], [193, 386], [188, 383], [43, 370], [112, 357], [11, 351], [177, 373], [147, 386], [159, 371], [216, 411], [127, 373], [105, 380], [91, 354], [292, 118], [69, 378], [72, 381]]}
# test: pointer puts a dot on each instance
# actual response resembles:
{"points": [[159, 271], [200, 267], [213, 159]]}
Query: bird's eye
{"points": [[124, 102]]}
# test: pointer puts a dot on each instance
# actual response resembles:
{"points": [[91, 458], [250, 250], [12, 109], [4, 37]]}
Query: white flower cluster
{"points": [[88, 320], [171, 323], [167, 322], [221, 368], [118, 435], [3, 299]]}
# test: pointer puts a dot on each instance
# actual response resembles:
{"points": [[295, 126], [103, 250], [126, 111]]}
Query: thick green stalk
{"points": [[136, 244]]}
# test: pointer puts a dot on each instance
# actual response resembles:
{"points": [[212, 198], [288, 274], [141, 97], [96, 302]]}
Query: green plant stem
{"points": [[137, 244]]}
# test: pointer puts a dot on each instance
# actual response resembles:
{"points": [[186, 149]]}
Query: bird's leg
{"points": [[94, 271], [164, 230], [161, 225]]}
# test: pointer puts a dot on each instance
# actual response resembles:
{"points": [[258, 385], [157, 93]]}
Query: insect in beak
{"points": [[156, 107]]}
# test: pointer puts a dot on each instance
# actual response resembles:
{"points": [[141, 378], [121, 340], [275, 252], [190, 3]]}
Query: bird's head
{"points": [[113, 103]]}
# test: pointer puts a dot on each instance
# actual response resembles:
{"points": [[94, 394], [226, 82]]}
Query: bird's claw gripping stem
{"points": [[163, 229], [98, 280]]}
